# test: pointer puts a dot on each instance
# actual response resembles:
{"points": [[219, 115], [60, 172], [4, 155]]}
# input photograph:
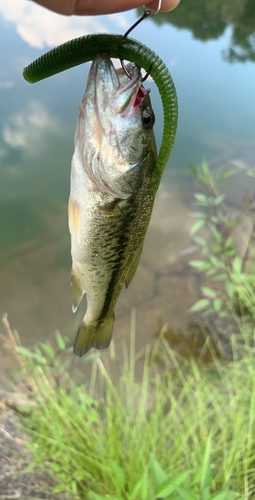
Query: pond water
{"points": [[209, 47]]}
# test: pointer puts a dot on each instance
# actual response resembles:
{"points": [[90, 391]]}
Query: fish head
{"points": [[116, 130]]}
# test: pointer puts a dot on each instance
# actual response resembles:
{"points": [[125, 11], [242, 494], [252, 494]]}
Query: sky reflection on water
{"points": [[37, 124]]}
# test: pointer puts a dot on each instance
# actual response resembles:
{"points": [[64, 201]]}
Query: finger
{"points": [[166, 6], [91, 8]]}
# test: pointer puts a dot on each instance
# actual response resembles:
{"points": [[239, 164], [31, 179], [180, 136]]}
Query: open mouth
{"points": [[140, 96]]}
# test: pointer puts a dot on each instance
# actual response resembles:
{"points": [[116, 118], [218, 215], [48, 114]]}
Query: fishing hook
{"points": [[146, 13], [150, 11]]}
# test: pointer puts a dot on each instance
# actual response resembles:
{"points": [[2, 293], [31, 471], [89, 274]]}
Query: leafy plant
{"points": [[221, 260], [187, 485], [183, 435]]}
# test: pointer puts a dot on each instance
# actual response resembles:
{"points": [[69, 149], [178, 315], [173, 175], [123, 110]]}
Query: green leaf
{"points": [[118, 474], [168, 486], [216, 248], [224, 494], [206, 473], [219, 199], [37, 350], [222, 276], [229, 288], [198, 224], [48, 350], [95, 496], [229, 242], [186, 495], [205, 168], [206, 494], [210, 272], [241, 278], [55, 467], [222, 314], [218, 236], [208, 292], [93, 416], [201, 197], [214, 219], [200, 305], [215, 260], [237, 265], [31, 447], [250, 173], [158, 475], [60, 487], [32, 355], [200, 264], [141, 487], [231, 253], [89, 357], [197, 475], [60, 341], [200, 241], [74, 487], [217, 305], [229, 173], [193, 170]]}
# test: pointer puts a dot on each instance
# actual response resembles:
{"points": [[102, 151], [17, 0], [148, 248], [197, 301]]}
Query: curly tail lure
{"points": [[84, 49]]}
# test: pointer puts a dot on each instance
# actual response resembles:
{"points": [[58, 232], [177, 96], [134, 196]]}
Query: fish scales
{"points": [[110, 203]]}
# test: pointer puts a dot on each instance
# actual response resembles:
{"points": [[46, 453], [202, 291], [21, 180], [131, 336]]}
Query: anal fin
{"points": [[77, 291], [133, 268]]}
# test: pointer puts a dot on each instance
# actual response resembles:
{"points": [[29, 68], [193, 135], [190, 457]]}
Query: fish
{"points": [[110, 202]]}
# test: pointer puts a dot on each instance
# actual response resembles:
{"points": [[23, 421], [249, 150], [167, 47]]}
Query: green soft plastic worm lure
{"points": [[85, 49]]}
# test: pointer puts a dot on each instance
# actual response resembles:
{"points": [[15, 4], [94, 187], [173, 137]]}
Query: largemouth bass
{"points": [[110, 203]]}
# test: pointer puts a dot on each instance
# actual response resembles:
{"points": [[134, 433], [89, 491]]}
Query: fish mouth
{"points": [[114, 87], [130, 89]]}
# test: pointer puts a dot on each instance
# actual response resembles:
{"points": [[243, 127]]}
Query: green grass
{"points": [[194, 426], [186, 430]]}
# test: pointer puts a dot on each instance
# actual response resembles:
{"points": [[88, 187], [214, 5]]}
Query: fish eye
{"points": [[148, 119]]}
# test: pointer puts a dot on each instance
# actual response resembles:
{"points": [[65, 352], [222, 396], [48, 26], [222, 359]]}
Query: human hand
{"points": [[97, 7]]}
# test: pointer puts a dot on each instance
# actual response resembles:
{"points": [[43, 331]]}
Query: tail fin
{"points": [[96, 334]]}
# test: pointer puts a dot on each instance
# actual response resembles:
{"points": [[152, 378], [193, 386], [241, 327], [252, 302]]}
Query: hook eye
{"points": [[150, 11]]}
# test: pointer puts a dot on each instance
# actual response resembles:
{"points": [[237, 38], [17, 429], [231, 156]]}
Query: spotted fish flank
{"points": [[110, 201]]}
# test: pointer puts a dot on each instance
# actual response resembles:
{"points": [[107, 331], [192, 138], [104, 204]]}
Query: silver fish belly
{"points": [[110, 203]]}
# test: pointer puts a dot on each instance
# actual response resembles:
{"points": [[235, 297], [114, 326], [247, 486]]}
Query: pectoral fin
{"points": [[133, 268], [74, 218], [77, 291]]}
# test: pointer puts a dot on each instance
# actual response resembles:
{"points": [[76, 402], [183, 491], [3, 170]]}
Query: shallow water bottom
{"points": [[35, 287]]}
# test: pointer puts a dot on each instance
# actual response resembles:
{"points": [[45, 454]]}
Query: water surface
{"points": [[37, 124]]}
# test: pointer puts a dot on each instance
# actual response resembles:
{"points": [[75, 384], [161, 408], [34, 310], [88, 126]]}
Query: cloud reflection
{"points": [[6, 84], [39, 27], [120, 20], [24, 129]]}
